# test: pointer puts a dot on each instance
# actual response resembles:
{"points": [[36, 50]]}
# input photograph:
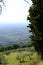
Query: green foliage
{"points": [[3, 60], [27, 45], [15, 46], [22, 58], [10, 47], [35, 18]]}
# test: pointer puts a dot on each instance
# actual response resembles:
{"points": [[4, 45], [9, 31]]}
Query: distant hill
{"points": [[14, 33]]}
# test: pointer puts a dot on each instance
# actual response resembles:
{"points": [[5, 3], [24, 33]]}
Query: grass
{"points": [[21, 58]]}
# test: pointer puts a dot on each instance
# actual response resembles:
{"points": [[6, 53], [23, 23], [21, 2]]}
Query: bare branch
{"points": [[0, 9], [27, 2], [3, 3]]}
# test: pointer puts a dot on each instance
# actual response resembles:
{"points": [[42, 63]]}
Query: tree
{"points": [[35, 18]]}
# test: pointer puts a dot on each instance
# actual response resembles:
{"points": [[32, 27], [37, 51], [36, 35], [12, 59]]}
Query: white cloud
{"points": [[16, 11]]}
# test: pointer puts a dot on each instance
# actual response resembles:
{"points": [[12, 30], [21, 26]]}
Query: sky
{"points": [[16, 11]]}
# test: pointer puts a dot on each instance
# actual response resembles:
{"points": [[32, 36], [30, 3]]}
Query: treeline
{"points": [[14, 46]]}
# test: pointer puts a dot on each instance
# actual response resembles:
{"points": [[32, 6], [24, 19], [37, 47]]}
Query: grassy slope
{"points": [[11, 58]]}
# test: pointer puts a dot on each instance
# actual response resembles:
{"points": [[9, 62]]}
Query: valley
{"points": [[14, 34]]}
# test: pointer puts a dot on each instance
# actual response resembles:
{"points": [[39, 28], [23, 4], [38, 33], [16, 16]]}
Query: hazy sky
{"points": [[16, 11]]}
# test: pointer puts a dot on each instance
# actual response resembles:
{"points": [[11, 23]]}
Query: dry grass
{"points": [[40, 63]]}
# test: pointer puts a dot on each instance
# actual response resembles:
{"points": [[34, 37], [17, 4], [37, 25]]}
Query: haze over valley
{"points": [[14, 34]]}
